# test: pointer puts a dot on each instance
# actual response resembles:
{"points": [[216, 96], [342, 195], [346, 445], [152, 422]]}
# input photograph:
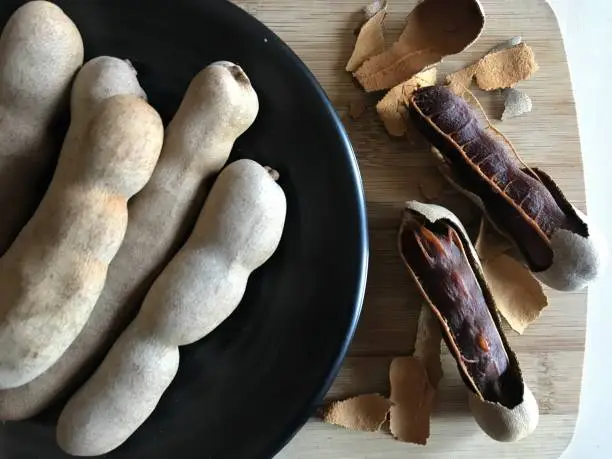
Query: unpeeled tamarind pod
{"points": [[101, 78], [98, 80], [40, 52], [552, 238], [445, 267], [220, 105], [239, 229], [53, 273]]}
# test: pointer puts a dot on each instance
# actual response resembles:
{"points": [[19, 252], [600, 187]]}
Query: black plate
{"points": [[245, 390]]}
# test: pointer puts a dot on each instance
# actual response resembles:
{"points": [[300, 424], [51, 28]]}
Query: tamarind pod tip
{"points": [[503, 424], [577, 261]]}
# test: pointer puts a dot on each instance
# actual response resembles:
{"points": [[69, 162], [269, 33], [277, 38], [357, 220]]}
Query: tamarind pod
{"points": [[434, 252], [515, 199], [443, 263]]}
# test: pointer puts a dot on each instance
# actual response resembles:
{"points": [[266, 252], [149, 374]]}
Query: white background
{"points": [[587, 30]]}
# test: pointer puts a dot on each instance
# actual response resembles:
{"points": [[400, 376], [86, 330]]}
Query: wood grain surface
{"points": [[551, 351]]}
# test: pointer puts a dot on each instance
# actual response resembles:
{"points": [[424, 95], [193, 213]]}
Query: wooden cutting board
{"points": [[551, 351]]}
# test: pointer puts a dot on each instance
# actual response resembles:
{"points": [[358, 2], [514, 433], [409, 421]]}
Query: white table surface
{"points": [[587, 30]]}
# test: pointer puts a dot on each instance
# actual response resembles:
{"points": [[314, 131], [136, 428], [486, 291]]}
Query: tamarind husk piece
{"points": [[490, 244], [428, 345], [363, 413], [505, 68], [414, 381], [516, 103], [502, 67], [392, 108], [370, 38], [413, 397], [439, 265], [434, 29], [518, 295]]}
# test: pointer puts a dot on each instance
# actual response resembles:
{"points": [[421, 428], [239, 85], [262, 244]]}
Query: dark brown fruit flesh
{"points": [[517, 203]]}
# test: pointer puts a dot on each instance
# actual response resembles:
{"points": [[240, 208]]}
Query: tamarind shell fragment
{"points": [[444, 265], [524, 204]]}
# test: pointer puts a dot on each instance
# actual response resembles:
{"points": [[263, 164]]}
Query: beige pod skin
{"points": [[499, 422], [56, 268], [219, 106], [99, 79], [239, 229], [503, 424], [40, 52], [102, 78]]}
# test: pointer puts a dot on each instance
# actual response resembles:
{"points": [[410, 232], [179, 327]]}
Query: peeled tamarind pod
{"points": [[219, 105], [552, 237], [99, 79], [444, 265], [239, 229], [53, 273], [40, 52]]}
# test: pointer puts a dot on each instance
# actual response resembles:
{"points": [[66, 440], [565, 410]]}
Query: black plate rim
{"points": [[295, 426]]}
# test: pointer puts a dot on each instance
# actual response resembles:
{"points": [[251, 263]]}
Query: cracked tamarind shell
{"points": [[513, 413], [569, 257]]}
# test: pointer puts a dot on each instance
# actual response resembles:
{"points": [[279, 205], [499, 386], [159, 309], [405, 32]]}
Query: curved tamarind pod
{"points": [[54, 272], [239, 229], [552, 237], [97, 81], [443, 263], [41, 50]]}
